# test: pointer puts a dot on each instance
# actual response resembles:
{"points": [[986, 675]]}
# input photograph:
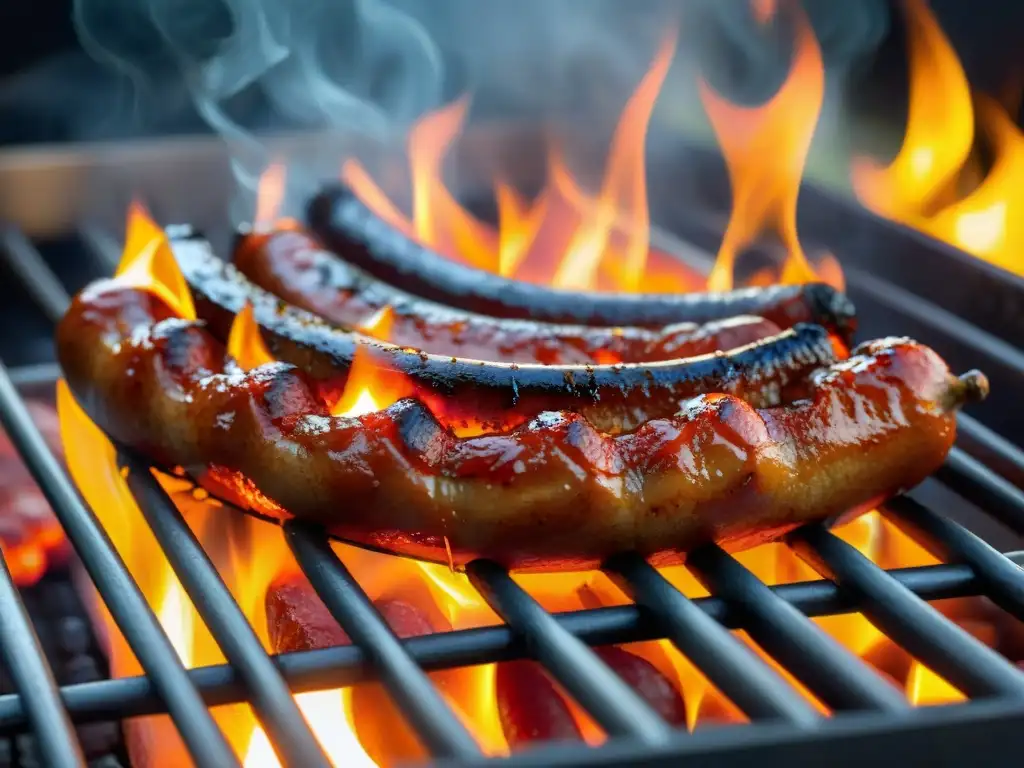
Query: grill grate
{"points": [[776, 617]]}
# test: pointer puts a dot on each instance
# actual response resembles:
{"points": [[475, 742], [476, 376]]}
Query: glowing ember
{"points": [[31, 539], [925, 185]]}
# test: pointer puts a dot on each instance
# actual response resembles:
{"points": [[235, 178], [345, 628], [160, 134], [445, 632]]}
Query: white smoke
{"points": [[370, 67]]}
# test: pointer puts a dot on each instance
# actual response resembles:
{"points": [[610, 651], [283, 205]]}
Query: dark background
{"points": [[51, 91]]}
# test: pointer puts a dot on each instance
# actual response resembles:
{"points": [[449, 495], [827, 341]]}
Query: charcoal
{"points": [[73, 636], [80, 669], [107, 761], [99, 739], [28, 752]]}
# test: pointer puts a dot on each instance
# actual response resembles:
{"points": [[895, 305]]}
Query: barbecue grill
{"points": [[977, 488]]}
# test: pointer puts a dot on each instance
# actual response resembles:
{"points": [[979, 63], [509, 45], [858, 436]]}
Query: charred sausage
{"points": [[494, 395], [291, 265], [349, 228], [552, 494]]}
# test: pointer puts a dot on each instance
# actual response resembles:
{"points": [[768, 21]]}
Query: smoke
{"points": [[369, 67]]}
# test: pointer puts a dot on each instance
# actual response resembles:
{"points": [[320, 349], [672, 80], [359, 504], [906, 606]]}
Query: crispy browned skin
{"points": [[351, 229], [552, 494], [291, 265], [467, 392]]}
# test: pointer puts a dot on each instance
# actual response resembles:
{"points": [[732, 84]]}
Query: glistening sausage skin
{"points": [[553, 494], [349, 228], [477, 392], [291, 265]]}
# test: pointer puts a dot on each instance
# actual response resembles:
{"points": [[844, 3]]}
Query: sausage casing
{"points": [[349, 228], [291, 265], [492, 394], [555, 493]]}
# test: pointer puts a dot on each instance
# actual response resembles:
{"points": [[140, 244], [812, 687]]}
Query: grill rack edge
{"points": [[559, 642]]}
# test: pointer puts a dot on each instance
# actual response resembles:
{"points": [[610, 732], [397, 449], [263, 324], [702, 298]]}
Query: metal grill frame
{"points": [[871, 722]]}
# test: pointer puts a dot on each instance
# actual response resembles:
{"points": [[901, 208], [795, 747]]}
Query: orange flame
{"points": [[988, 222], [624, 192], [765, 149], [940, 126], [148, 263], [924, 186], [925, 688], [245, 342], [563, 236]]}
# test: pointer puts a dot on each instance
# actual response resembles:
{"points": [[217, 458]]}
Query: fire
{"points": [[245, 344], [251, 554], [930, 185], [940, 126], [149, 263], [765, 149], [576, 240]]}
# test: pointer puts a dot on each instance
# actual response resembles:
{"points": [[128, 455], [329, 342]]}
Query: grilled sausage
{"points": [[31, 539], [291, 265], [555, 493], [297, 620], [349, 228], [497, 395]]}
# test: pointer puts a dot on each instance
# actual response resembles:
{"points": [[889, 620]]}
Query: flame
{"points": [[932, 184], [765, 149], [245, 343], [148, 263], [987, 222], [624, 192], [940, 125], [563, 236], [371, 386], [379, 324], [764, 10], [925, 688], [270, 194]]}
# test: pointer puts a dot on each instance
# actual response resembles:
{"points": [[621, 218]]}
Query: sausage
{"points": [[499, 395], [297, 620], [349, 228], [531, 709], [291, 265], [31, 539], [554, 493]]}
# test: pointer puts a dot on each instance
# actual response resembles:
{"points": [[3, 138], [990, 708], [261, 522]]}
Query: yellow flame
{"points": [[988, 222], [148, 263], [624, 191], [925, 688], [765, 149], [940, 126], [245, 342]]}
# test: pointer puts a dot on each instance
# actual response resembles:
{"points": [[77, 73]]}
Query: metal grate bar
{"points": [[268, 693], [949, 542], [614, 705], [975, 482], [413, 692], [726, 661], [347, 665], [926, 634], [39, 280], [828, 669], [993, 450], [116, 586], [33, 680]]}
